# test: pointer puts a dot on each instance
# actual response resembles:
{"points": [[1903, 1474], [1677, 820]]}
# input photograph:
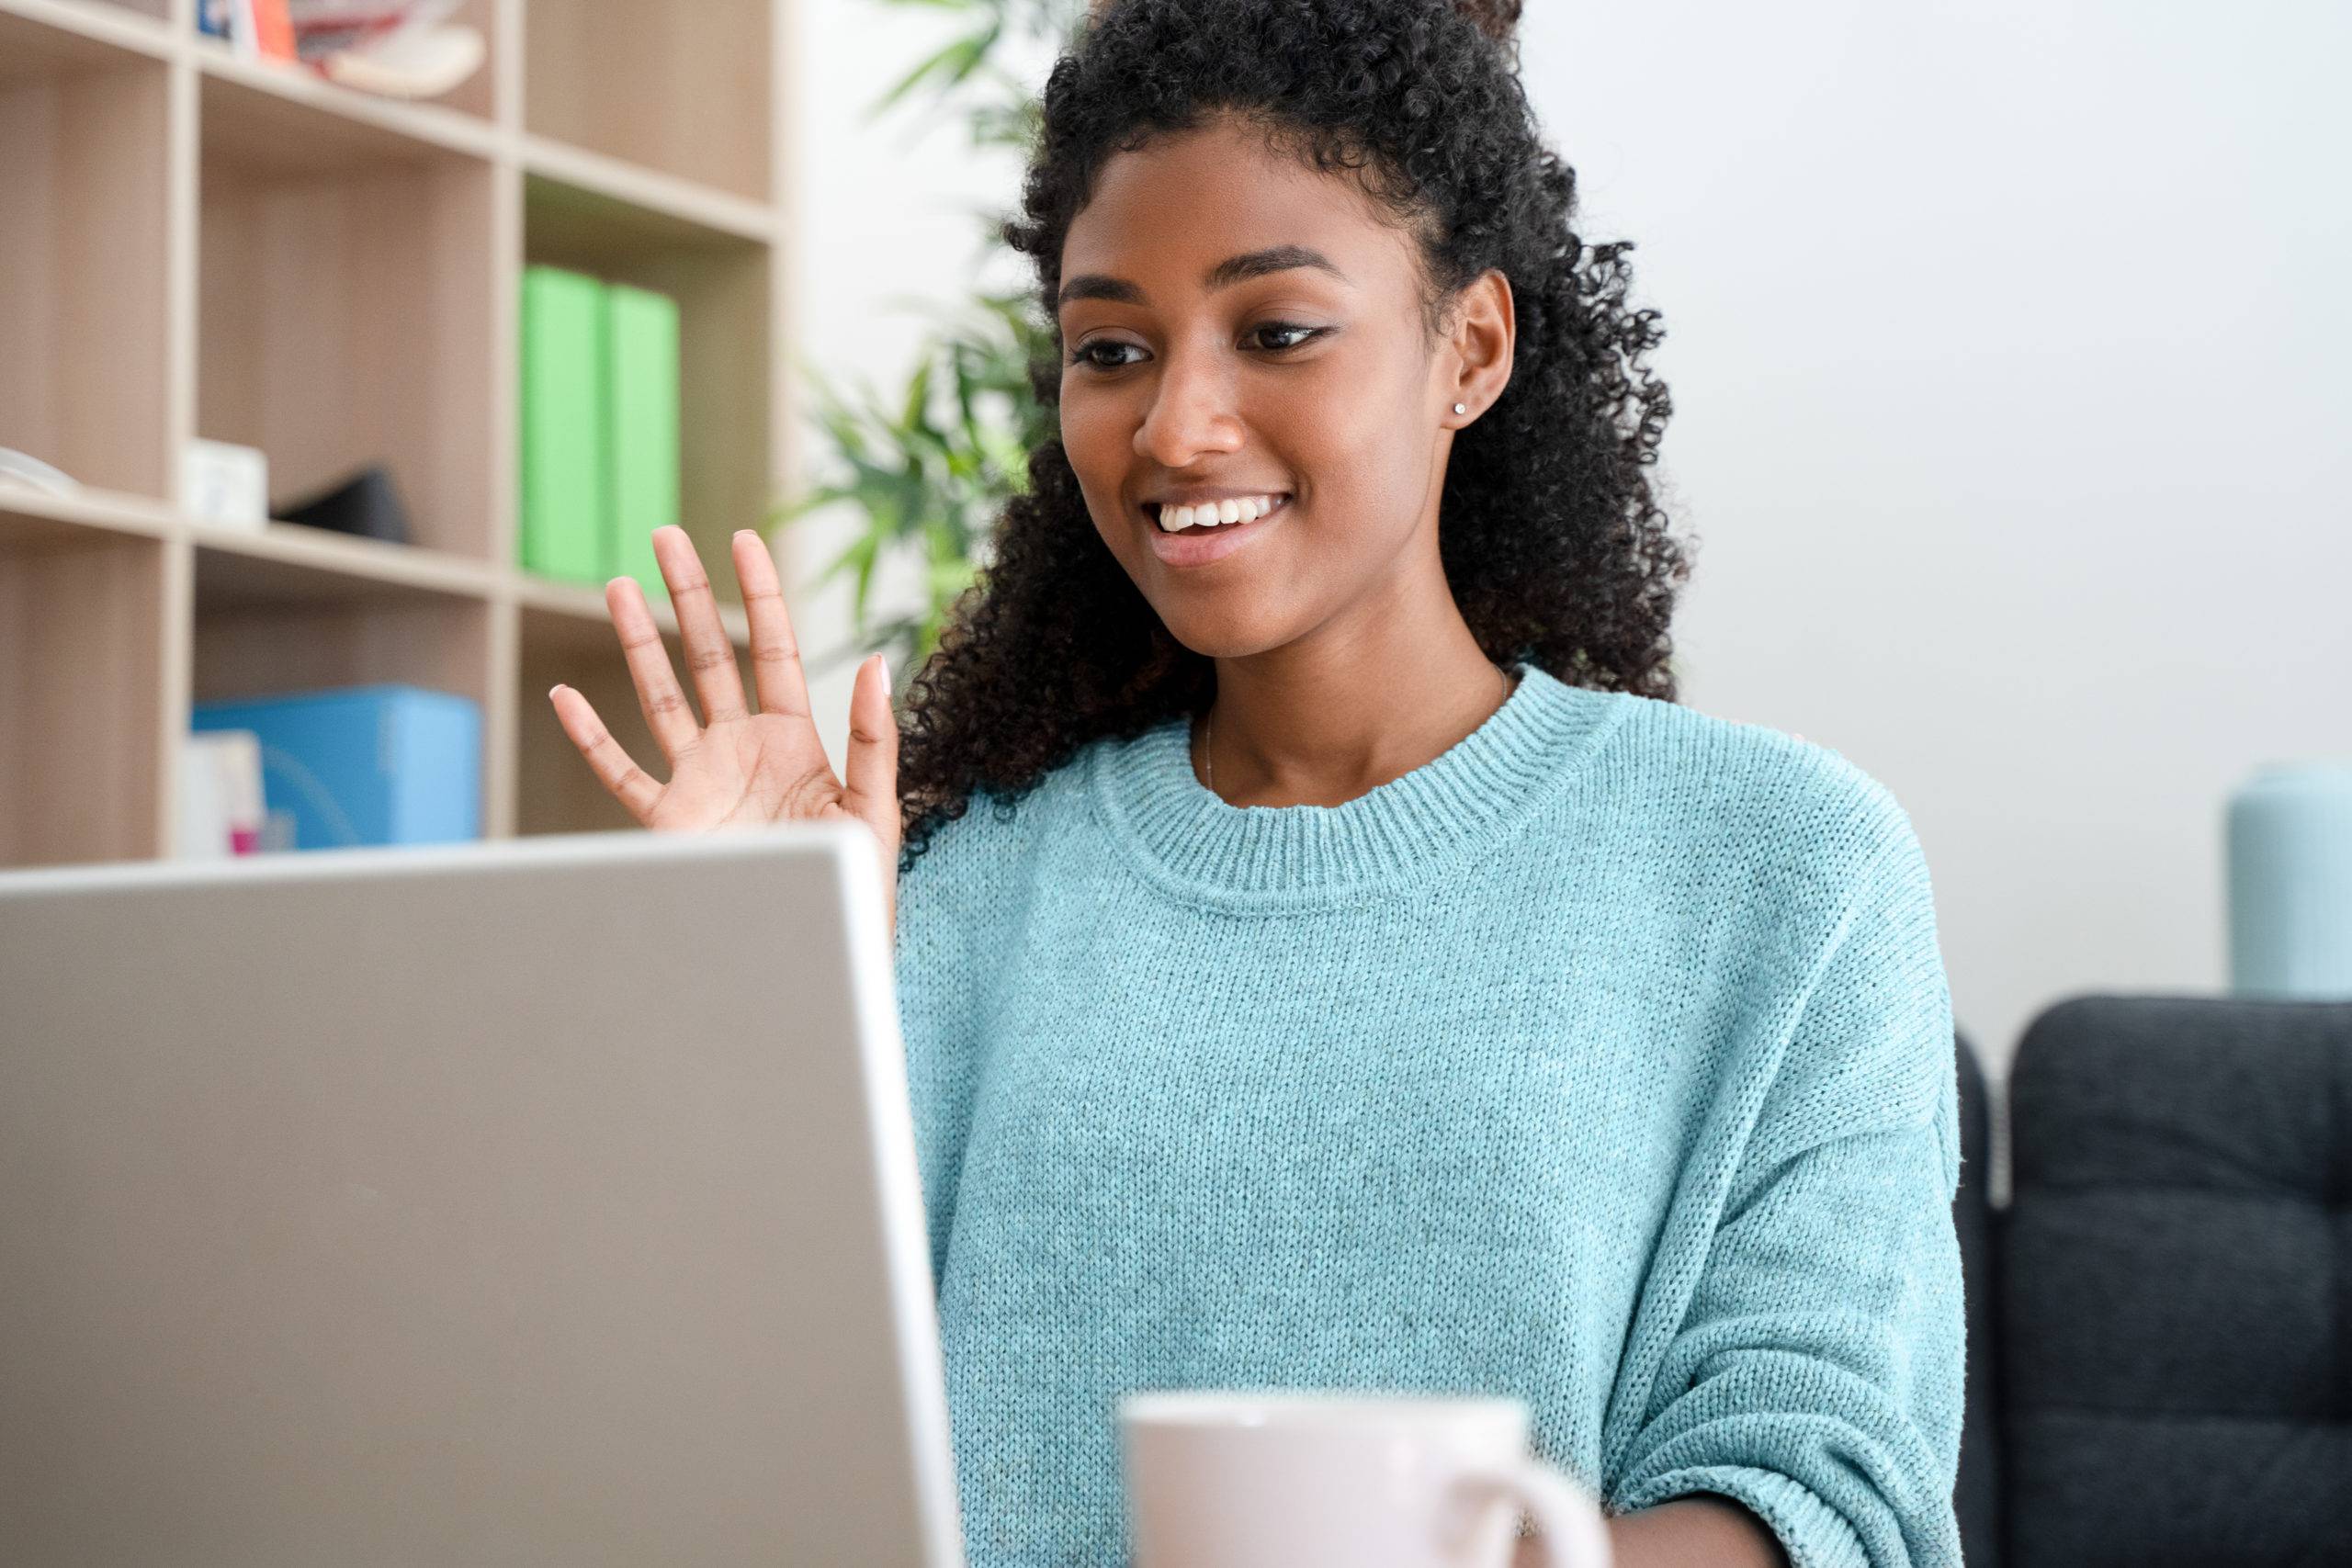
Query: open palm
{"points": [[737, 768]]}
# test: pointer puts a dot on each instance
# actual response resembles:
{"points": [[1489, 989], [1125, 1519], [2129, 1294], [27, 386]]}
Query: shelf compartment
{"points": [[85, 256], [637, 83], [586, 604], [658, 208], [265, 625], [321, 562], [279, 622], [720, 279], [557, 791], [347, 283], [83, 619], [33, 32], [32, 516], [459, 122]]}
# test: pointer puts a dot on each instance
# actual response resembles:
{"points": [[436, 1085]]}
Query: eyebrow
{"points": [[1223, 275]]}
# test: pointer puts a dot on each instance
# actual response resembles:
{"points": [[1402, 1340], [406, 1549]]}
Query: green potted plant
{"points": [[930, 469]]}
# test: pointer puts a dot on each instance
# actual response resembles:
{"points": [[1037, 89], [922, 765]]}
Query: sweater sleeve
{"points": [[1816, 1375]]}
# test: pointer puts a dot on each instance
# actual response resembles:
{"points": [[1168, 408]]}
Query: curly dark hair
{"points": [[1552, 543]]}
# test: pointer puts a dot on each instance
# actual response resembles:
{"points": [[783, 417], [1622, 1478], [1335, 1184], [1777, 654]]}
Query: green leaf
{"points": [[933, 480], [917, 410], [974, 52], [951, 60], [864, 575]]}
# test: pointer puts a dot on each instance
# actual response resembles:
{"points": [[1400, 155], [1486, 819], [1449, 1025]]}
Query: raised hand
{"points": [[738, 768]]}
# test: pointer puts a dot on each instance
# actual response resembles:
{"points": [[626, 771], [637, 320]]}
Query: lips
{"points": [[1200, 547]]}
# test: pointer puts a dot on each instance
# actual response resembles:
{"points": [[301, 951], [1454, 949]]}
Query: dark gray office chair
{"points": [[1977, 1498], [2172, 1280]]}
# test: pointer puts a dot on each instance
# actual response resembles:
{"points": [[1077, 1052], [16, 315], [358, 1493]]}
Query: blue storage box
{"points": [[385, 764]]}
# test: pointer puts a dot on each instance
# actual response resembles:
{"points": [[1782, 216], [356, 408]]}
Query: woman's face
{"points": [[1207, 347]]}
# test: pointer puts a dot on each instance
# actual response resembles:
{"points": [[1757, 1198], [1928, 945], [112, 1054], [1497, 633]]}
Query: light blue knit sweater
{"points": [[1606, 1060]]}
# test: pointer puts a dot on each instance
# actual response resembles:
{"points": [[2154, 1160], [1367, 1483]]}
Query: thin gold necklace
{"points": [[1208, 757]]}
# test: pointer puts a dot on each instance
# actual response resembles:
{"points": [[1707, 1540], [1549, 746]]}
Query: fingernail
{"points": [[885, 675], [554, 689]]}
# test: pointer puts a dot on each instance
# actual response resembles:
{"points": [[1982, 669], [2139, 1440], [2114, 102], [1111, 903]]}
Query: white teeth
{"points": [[1176, 519]]}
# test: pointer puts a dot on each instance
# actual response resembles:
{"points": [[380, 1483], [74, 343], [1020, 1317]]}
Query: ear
{"points": [[1482, 333]]}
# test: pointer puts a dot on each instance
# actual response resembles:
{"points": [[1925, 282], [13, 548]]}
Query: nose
{"points": [[1190, 413]]}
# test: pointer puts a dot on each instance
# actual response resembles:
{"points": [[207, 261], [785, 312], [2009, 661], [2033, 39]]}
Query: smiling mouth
{"points": [[1152, 509]]}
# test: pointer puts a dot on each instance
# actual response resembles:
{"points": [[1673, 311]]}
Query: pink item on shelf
{"points": [[221, 809]]}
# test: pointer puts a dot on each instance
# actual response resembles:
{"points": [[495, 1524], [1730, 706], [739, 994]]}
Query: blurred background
{"points": [[342, 360], [347, 348]]}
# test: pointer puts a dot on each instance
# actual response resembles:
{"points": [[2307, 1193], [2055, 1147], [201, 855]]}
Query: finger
{"points": [[871, 788], [629, 783], [658, 697], [710, 657], [776, 675]]}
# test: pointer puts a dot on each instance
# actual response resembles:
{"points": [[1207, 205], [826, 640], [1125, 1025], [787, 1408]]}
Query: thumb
{"points": [[871, 787]]}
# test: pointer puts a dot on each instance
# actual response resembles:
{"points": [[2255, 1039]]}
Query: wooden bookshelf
{"points": [[200, 244]]}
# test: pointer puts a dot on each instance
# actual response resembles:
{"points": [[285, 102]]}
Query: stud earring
{"points": [[1460, 409]]}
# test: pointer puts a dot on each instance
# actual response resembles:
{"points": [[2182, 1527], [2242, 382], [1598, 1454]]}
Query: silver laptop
{"points": [[551, 1201]]}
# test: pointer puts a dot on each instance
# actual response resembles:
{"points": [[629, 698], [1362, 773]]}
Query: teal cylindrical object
{"points": [[2291, 881]]}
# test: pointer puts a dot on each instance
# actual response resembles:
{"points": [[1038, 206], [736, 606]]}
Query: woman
{"points": [[1328, 954]]}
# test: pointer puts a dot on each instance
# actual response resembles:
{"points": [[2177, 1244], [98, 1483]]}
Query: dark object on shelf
{"points": [[367, 505]]}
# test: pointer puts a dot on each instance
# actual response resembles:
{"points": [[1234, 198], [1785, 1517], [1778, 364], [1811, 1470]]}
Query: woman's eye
{"points": [[1085, 356], [1306, 333], [1085, 353]]}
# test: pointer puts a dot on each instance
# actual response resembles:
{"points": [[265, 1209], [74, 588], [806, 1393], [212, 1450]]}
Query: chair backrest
{"points": [[1976, 1497], [2174, 1282]]}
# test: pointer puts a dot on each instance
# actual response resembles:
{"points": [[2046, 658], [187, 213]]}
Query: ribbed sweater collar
{"points": [[1187, 838]]}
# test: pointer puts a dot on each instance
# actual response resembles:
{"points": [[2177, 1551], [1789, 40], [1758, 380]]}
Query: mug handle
{"points": [[1568, 1521]]}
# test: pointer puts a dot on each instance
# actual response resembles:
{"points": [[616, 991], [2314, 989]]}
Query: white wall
{"points": [[2012, 371]]}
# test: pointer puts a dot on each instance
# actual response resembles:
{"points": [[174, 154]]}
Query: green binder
{"points": [[642, 430], [566, 503]]}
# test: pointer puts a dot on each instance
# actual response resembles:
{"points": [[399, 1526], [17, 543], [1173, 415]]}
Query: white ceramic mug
{"points": [[1297, 1479]]}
